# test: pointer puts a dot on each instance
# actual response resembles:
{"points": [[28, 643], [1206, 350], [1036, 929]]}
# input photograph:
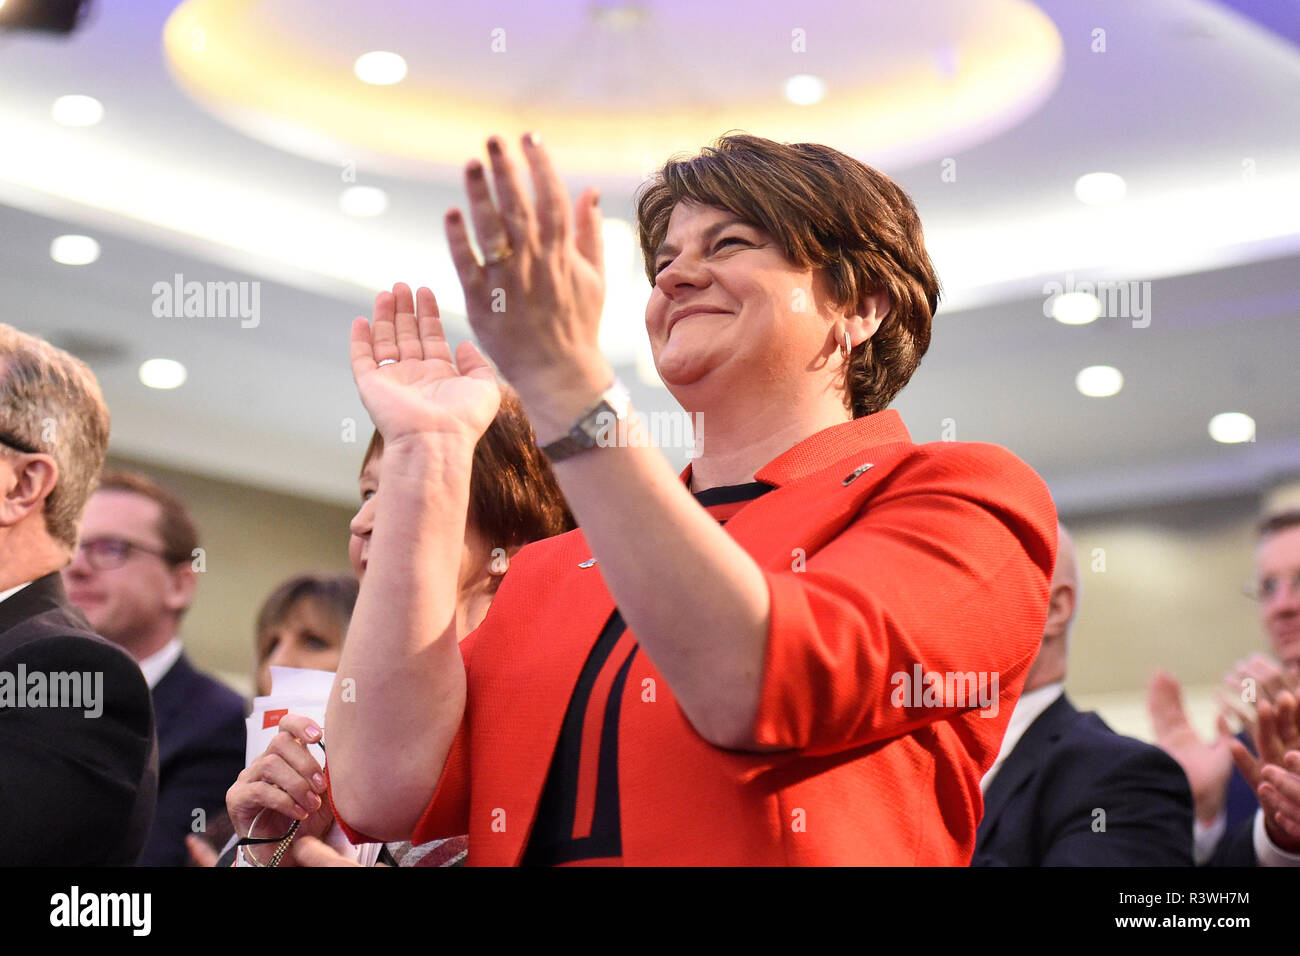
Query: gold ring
{"points": [[499, 254]]}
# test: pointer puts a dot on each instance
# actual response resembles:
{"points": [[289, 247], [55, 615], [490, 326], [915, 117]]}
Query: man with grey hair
{"points": [[1065, 789], [77, 742]]}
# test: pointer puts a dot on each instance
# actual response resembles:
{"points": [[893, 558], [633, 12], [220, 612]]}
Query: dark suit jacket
{"points": [[1041, 807], [200, 753], [75, 790]]}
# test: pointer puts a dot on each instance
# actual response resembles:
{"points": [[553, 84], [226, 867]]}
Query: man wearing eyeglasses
{"points": [[134, 578], [1232, 829], [78, 754]]}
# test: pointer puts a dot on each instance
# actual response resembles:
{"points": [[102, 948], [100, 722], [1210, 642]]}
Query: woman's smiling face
{"points": [[728, 310]]}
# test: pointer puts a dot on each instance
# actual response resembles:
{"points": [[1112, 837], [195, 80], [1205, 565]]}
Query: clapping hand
{"points": [[1275, 774], [536, 300], [1208, 766], [408, 379], [1257, 678]]}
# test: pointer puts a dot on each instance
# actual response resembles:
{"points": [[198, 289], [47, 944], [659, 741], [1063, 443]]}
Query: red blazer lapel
{"points": [[522, 681]]}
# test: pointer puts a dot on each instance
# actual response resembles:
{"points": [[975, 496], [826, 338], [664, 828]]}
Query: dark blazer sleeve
{"points": [[204, 755], [1237, 847], [1129, 805], [71, 787]]}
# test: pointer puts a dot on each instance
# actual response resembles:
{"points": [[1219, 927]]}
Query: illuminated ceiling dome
{"points": [[614, 87]]}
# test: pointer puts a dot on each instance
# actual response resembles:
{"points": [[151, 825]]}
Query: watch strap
{"points": [[583, 435]]}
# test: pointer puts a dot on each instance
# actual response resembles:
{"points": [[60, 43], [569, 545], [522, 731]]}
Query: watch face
{"points": [[601, 426]]}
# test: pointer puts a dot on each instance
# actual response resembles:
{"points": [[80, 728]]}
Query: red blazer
{"points": [[937, 556]]}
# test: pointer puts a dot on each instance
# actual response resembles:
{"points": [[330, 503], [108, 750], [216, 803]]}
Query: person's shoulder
{"points": [[55, 634], [57, 648], [972, 459], [978, 471], [956, 460], [1088, 732], [545, 552]]}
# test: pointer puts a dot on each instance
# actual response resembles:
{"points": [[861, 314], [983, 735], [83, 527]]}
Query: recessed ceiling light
{"points": [[363, 201], [1100, 189], [380, 68], [1076, 308], [162, 373], [619, 17], [74, 250], [77, 110], [804, 89], [1230, 428], [1099, 381]]}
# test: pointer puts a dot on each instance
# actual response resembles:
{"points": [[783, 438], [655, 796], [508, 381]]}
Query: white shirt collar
{"points": [[157, 664], [1028, 709], [5, 595]]}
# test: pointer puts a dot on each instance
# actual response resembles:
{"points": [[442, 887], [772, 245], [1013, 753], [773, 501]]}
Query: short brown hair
{"points": [[828, 211], [50, 401], [513, 495], [175, 526]]}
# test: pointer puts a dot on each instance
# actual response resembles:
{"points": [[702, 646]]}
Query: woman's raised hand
{"points": [[424, 390], [535, 302]]}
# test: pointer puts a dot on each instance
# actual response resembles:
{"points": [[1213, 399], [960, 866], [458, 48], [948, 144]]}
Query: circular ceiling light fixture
{"points": [[805, 89], [1100, 189], [162, 373], [1232, 428], [380, 68], [77, 110], [1099, 381], [363, 201], [607, 87], [74, 250], [1076, 308]]}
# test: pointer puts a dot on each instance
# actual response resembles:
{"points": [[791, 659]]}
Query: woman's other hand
{"points": [[424, 390], [284, 784]]}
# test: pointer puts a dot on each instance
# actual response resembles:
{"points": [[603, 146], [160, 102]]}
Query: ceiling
{"points": [[1191, 101]]}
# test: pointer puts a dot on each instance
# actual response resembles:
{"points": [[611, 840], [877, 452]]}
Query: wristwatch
{"points": [[599, 425]]}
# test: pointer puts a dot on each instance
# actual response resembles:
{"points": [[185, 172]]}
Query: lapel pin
{"points": [[588, 563], [858, 472]]}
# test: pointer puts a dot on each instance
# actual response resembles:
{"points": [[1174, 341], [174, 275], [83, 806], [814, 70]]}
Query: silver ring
{"points": [[387, 362]]}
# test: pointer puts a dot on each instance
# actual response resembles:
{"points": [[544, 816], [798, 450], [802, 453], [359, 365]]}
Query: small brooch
{"points": [[858, 472]]}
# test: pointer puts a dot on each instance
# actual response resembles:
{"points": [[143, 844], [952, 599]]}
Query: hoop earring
{"points": [[846, 350]]}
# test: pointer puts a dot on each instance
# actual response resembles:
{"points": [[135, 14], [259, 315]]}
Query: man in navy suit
{"points": [[1231, 830], [1065, 789], [78, 755], [134, 577]]}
